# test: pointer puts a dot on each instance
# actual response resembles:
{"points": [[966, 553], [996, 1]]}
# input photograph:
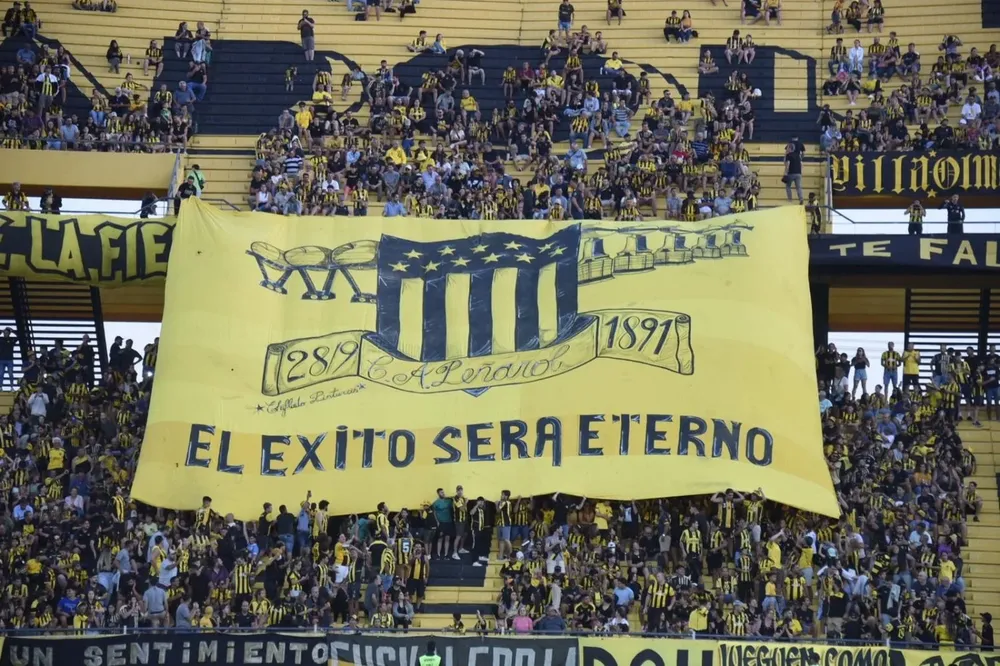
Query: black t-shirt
{"points": [[565, 12], [186, 190], [936, 364], [306, 26], [986, 634], [7, 348], [794, 161], [285, 524]]}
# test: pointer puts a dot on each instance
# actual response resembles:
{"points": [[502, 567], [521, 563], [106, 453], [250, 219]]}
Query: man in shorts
{"points": [[307, 30], [565, 18], [442, 511]]}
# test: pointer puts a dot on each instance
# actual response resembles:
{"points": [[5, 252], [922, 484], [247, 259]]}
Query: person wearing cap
{"points": [[985, 632]]}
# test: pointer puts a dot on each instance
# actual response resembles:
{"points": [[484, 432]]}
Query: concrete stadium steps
{"points": [[923, 22], [458, 587], [982, 555], [7, 401]]}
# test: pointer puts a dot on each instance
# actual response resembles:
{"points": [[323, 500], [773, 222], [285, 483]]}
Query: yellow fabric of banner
{"points": [[376, 359]]}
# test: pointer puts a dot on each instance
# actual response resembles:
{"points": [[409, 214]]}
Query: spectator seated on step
{"points": [[707, 64], [26, 55], [11, 20], [30, 23], [419, 45], [96, 5]]}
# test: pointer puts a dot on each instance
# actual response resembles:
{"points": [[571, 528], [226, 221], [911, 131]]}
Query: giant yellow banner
{"points": [[371, 359]]}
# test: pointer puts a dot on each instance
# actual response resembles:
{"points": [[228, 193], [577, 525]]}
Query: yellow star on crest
{"points": [[556, 252], [479, 249], [931, 194], [446, 250], [513, 245], [525, 257], [492, 258], [461, 261], [413, 254], [399, 266], [932, 153], [431, 266], [546, 247]]}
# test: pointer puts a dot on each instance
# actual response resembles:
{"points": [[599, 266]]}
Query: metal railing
{"points": [[444, 631]]}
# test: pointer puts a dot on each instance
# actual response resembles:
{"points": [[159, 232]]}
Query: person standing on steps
{"points": [[307, 30], [7, 344], [793, 171]]}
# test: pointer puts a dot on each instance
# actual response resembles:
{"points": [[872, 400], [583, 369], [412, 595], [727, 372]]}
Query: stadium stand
{"points": [[79, 441], [898, 564], [250, 68]]}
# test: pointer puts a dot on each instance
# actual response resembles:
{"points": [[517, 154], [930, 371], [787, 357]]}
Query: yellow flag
{"points": [[378, 359]]}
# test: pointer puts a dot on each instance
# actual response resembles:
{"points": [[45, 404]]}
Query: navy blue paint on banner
{"points": [[964, 252], [481, 258], [210, 648]]}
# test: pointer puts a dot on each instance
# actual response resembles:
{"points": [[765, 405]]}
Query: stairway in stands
{"points": [[982, 555], [459, 587]]}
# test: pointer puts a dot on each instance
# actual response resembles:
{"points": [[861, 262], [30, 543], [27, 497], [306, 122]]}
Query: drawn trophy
{"points": [[595, 263], [674, 250], [635, 257]]}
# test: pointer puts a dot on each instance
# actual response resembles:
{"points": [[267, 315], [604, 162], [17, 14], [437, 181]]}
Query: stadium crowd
{"points": [[427, 148], [35, 89], [924, 97], [80, 554]]}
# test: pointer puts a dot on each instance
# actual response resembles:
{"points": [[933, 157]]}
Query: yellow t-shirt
{"points": [[911, 362], [774, 553], [469, 104], [57, 458], [947, 570], [770, 589], [396, 155], [601, 520], [304, 118], [698, 619]]}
